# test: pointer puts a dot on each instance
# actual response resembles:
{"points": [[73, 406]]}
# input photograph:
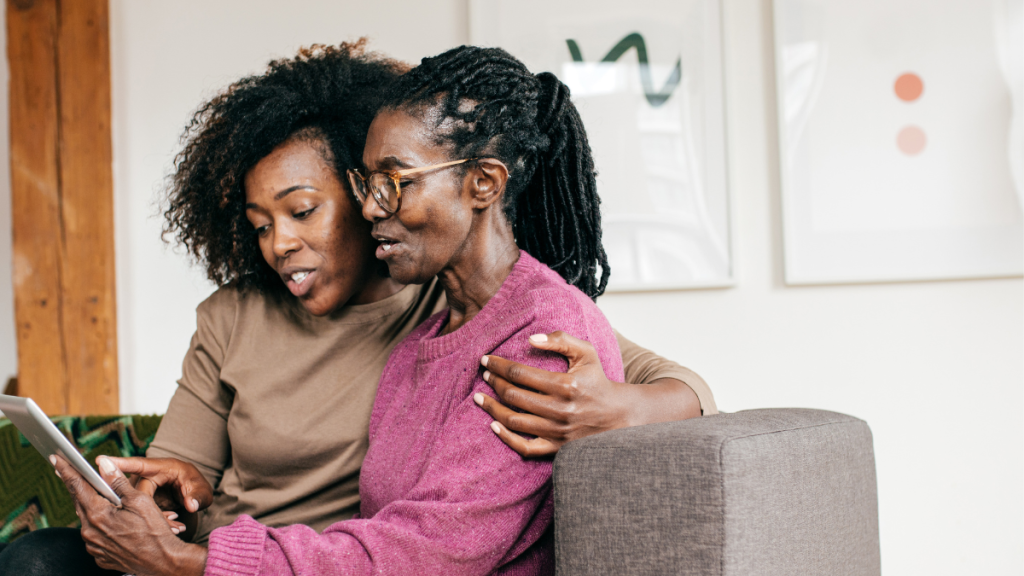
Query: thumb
{"points": [[113, 476], [129, 465], [196, 495], [578, 352]]}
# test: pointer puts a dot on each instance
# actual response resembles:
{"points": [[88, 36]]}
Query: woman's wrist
{"points": [[663, 400], [190, 560]]}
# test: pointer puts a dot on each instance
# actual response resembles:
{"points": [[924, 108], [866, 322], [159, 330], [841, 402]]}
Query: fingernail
{"points": [[487, 375], [539, 338], [478, 398], [483, 361], [195, 505], [53, 459], [496, 427], [106, 466], [175, 530], [56, 472], [172, 516]]}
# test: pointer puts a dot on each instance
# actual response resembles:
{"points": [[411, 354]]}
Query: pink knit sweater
{"points": [[441, 494]]}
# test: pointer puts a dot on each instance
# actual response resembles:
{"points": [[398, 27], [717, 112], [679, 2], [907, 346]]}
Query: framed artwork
{"points": [[646, 77], [900, 127]]}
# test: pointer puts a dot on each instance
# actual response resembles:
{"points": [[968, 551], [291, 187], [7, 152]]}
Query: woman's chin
{"points": [[318, 306]]}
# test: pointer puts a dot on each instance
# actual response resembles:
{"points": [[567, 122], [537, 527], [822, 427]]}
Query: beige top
{"points": [[273, 405]]}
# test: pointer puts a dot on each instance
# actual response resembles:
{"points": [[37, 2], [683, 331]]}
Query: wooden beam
{"points": [[86, 183], [35, 201], [62, 200]]}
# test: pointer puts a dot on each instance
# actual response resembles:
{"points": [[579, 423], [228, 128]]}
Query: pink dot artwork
{"points": [[909, 87], [911, 140]]}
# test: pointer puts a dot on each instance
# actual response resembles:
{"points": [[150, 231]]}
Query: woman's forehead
{"points": [[401, 139]]}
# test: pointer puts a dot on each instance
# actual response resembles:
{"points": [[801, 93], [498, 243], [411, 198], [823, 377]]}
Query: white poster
{"points": [[646, 77], [900, 130]]}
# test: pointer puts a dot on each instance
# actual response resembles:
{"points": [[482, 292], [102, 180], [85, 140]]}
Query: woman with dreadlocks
{"points": [[304, 320]]}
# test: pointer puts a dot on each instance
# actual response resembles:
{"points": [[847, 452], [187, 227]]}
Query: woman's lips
{"points": [[299, 283], [386, 249]]}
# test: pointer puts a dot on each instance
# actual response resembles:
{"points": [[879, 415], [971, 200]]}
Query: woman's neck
{"points": [[473, 278]]}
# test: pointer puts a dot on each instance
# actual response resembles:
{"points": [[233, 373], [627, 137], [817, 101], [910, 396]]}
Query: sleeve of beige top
{"points": [[643, 367], [194, 429]]}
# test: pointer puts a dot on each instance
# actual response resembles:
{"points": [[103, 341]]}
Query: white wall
{"points": [[937, 369], [8, 342]]}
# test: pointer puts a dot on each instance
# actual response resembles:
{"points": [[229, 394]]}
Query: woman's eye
{"points": [[303, 214], [404, 183], [261, 230]]}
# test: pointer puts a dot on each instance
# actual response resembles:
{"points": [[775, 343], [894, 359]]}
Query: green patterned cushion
{"points": [[31, 495]]}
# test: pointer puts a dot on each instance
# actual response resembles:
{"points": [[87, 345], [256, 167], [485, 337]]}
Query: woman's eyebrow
{"points": [[291, 189], [282, 194], [393, 162]]}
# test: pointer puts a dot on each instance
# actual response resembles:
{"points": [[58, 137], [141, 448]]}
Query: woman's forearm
{"points": [[663, 400], [191, 561]]}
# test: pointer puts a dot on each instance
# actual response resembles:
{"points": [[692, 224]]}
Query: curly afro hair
{"points": [[325, 94]]}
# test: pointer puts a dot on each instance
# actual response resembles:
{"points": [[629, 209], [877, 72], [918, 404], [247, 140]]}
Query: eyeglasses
{"points": [[385, 185]]}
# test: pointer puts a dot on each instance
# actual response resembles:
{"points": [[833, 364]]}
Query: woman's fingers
{"points": [[518, 421], [146, 486], [575, 350], [543, 405], [80, 490], [523, 375], [527, 448], [176, 527], [196, 493], [191, 489], [112, 475], [580, 353]]}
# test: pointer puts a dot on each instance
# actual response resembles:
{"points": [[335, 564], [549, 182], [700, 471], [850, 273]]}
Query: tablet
{"points": [[47, 439]]}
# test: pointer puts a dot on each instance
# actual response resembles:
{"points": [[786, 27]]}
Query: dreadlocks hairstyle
{"points": [[489, 104], [327, 95]]}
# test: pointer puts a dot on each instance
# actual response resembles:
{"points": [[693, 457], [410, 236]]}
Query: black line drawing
{"points": [[635, 40]]}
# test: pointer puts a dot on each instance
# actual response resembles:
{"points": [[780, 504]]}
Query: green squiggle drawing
{"points": [[635, 40]]}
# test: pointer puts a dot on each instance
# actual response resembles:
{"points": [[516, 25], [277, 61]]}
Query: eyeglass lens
{"points": [[385, 191]]}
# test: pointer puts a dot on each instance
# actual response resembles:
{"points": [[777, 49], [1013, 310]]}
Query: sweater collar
{"points": [[433, 346]]}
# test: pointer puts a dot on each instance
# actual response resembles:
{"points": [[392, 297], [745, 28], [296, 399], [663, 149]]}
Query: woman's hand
{"points": [[559, 408], [135, 538], [173, 484], [176, 486]]}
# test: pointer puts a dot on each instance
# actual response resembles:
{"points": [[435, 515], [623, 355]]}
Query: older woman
{"points": [[270, 151]]}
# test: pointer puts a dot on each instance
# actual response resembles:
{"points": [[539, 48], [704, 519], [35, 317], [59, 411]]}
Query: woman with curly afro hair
{"points": [[271, 414]]}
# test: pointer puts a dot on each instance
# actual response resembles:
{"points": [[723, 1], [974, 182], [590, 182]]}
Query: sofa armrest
{"points": [[776, 491]]}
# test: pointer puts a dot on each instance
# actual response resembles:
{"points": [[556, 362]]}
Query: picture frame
{"points": [[647, 80], [900, 139]]}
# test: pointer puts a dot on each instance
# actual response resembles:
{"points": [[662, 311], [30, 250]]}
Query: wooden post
{"points": [[35, 201], [62, 203], [86, 185]]}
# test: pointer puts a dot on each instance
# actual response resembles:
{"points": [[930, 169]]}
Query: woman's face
{"points": [[434, 221], [309, 227]]}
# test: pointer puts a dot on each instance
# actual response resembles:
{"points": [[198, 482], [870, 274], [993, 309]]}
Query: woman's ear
{"points": [[487, 181]]}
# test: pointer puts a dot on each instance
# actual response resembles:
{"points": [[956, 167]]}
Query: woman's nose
{"points": [[285, 242], [372, 211]]}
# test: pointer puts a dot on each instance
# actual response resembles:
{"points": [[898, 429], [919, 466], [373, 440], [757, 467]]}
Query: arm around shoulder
{"points": [[645, 367]]}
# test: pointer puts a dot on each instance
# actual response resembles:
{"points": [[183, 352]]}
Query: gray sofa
{"points": [[759, 492]]}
